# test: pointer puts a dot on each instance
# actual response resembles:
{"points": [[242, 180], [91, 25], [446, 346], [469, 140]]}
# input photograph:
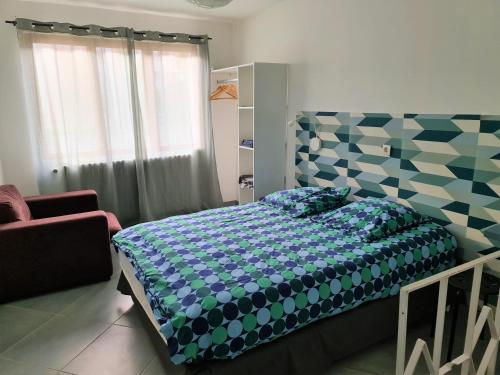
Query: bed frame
{"points": [[312, 349]]}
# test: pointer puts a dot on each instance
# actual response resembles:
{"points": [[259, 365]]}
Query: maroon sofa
{"points": [[52, 242]]}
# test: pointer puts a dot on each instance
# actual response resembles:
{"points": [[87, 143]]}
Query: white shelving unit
{"points": [[262, 110]]}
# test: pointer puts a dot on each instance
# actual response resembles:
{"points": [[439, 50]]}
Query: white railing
{"points": [[474, 327]]}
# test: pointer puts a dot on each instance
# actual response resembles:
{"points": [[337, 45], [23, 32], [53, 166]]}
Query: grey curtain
{"points": [[152, 184]]}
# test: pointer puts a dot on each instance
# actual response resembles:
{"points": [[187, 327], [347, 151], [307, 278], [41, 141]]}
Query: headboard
{"points": [[445, 166]]}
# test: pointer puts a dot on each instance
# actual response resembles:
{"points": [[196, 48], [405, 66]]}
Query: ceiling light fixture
{"points": [[209, 4]]}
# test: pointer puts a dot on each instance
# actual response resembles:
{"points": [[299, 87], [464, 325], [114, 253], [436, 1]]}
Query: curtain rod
{"points": [[14, 23]]}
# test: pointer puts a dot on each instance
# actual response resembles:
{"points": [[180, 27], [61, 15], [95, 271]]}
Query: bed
{"points": [[221, 283]]}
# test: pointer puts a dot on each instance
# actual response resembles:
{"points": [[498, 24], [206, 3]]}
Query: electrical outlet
{"points": [[386, 149]]}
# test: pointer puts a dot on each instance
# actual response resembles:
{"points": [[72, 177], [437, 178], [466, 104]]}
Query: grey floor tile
{"points": [[9, 367], [132, 318], [103, 302], [53, 302], [16, 323], [56, 343], [120, 350], [381, 358], [159, 366]]}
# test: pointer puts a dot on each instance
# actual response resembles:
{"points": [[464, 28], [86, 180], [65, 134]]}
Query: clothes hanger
{"points": [[229, 90]]}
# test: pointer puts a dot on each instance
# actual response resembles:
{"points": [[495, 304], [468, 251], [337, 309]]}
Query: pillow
{"points": [[372, 218], [12, 205], [285, 198], [319, 202], [307, 201]]}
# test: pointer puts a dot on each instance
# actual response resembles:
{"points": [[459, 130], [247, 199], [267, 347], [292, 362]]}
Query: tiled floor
{"points": [[94, 330]]}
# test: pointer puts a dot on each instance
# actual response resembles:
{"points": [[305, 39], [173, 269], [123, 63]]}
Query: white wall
{"points": [[1, 173], [15, 147], [397, 56]]}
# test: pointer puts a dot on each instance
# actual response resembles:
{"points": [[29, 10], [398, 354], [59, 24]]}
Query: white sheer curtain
{"points": [[169, 74], [129, 119], [83, 94]]}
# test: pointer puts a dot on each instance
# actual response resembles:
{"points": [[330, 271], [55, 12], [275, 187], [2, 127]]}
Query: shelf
{"points": [[246, 148], [245, 107], [231, 69]]}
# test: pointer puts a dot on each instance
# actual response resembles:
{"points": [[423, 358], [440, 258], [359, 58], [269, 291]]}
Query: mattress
{"points": [[220, 282]]}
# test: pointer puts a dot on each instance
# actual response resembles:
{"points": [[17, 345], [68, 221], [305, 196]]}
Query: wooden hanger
{"points": [[224, 92]]}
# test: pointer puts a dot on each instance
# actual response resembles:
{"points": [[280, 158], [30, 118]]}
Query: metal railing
{"points": [[474, 327]]}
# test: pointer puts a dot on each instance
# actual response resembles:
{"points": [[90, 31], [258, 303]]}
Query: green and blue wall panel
{"points": [[446, 166]]}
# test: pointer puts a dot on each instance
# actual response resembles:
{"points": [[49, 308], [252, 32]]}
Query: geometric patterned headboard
{"points": [[446, 166]]}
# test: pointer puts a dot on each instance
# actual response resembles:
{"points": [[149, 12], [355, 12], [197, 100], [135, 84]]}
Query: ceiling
{"points": [[235, 10]]}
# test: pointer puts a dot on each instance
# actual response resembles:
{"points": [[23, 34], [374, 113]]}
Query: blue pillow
{"points": [[301, 202], [372, 218]]}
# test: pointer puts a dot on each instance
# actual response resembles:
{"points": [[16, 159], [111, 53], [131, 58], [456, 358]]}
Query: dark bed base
{"points": [[313, 349]]}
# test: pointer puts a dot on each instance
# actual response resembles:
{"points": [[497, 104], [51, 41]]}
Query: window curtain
{"points": [[129, 118]]}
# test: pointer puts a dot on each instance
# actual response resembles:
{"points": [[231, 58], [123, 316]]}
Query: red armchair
{"points": [[65, 242]]}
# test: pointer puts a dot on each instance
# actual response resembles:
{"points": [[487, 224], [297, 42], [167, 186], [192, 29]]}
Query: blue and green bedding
{"points": [[223, 281]]}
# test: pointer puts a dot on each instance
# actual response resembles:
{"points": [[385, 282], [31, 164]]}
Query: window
{"points": [[86, 99]]}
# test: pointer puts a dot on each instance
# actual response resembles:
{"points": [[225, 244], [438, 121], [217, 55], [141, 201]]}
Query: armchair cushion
{"points": [[52, 205], [12, 205]]}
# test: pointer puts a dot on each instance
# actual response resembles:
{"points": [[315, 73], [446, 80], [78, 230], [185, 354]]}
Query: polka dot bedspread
{"points": [[223, 281]]}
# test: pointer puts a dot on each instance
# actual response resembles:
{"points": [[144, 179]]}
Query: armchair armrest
{"points": [[53, 253], [43, 206]]}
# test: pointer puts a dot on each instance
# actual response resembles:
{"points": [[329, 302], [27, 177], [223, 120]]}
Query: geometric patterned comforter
{"points": [[223, 281]]}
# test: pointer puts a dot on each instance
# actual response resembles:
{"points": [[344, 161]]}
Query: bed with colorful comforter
{"points": [[223, 281]]}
